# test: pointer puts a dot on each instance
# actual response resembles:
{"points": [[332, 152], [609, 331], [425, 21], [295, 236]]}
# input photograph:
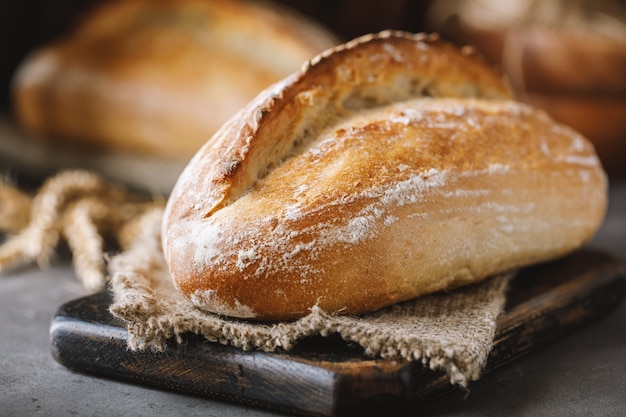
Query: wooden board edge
{"points": [[325, 389]]}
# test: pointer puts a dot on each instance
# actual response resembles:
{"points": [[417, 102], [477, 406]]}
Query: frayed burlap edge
{"points": [[452, 332]]}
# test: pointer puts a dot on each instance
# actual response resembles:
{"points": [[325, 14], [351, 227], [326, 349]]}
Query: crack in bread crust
{"points": [[263, 134]]}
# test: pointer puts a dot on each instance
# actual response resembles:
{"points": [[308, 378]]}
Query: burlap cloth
{"points": [[451, 332]]}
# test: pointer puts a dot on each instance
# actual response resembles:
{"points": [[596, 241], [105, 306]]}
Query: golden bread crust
{"points": [[388, 168]]}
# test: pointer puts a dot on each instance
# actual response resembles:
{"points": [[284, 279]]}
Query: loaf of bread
{"points": [[159, 77], [390, 167]]}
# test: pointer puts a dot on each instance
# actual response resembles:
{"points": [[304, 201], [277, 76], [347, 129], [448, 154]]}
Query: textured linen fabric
{"points": [[451, 332]]}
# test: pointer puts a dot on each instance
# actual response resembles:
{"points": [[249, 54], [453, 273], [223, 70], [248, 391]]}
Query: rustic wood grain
{"points": [[327, 376]]}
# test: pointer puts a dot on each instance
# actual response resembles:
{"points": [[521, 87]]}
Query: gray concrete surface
{"points": [[581, 375]]}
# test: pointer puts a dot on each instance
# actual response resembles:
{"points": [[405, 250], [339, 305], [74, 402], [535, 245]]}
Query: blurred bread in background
{"points": [[565, 56], [158, 77]]}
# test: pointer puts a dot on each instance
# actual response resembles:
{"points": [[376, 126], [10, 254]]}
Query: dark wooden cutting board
{"points": [[326, 376]]}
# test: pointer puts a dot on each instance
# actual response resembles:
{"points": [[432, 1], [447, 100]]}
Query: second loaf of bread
{"points": [[390, 167], [159, 77]]}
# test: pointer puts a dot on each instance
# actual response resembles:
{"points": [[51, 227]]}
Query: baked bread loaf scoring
{"points": [[159, 77], [390, 167]]}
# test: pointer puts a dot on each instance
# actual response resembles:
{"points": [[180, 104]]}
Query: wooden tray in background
{"points": [[326, 376]]}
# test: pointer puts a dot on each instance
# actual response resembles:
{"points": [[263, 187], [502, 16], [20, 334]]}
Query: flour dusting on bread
{"points": [[390, 167]]}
